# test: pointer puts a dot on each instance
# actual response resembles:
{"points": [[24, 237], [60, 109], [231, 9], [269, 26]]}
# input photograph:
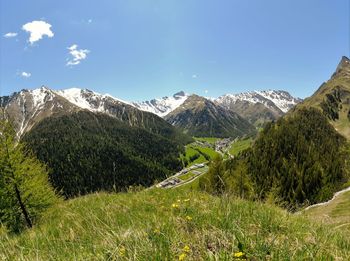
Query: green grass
{"points": [[336, 213], [192, 149], [187, 176], [189, 152], [159, 224], [209, 151], [239, 146], [210, 140]]}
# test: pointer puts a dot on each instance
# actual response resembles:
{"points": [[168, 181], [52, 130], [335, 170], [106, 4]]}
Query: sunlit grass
{"points": [[240, 145], [172, 224]]}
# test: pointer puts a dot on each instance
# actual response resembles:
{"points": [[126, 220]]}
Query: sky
{"points": [[141, 49]]}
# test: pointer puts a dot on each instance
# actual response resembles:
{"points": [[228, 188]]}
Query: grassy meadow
{"points": [[176, 224]]}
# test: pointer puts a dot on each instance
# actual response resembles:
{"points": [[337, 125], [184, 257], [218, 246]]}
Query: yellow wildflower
{"points": [[121, 251], [174, 205], [179, 200], [182, 257], [239, 254], [156, 231], [188, 218], [186, 249], [186, 200]]}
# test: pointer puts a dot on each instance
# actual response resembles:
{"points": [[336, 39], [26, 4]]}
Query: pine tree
{"points": [[24, 188]]}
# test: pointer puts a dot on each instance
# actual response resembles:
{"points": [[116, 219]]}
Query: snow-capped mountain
{"points": [[201, 117], [28, 107], [259, 107], [162, 106], [88, 99], [270, 98]]}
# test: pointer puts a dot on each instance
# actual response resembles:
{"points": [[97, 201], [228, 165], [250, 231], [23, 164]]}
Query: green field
{"points": [[239, 146], [210, 140], [189, 152], [193, 149], [174, 224], [187, 176], [336, 213]]}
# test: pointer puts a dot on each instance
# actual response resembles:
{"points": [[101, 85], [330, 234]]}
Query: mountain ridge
{"points": [[201, 117], [333, 98]]}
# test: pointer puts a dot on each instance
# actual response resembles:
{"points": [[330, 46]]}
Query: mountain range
{"points": [[29, 107]]}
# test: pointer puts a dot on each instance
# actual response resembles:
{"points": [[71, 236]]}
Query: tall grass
{"points": [[172, 224]]}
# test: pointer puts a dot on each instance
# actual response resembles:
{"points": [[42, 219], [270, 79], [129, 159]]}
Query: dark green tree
{"points": [[24, 188]]}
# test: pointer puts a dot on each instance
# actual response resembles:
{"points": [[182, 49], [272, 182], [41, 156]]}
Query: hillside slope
{"points": [[90, 152], [333, 98], [203, 118], [173, 225], [335, 212]]}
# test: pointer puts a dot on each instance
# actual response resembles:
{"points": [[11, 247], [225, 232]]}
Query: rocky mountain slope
{"points": [[333, 98], [29, 107], [203, 118], [162, 106], [259, 107]]}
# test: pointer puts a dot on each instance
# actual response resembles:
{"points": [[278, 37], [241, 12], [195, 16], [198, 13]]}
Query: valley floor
{"points": [[177, 224]]}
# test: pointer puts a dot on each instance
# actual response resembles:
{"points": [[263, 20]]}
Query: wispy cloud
{"points": [[77, 55], [25, 74], [206, 91], [37, 30], [10, 35], [194, 76]]}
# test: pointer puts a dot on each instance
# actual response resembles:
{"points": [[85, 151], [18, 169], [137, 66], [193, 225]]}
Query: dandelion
{"points": [[239, 255], [188, 218], [186, 200], [121, 251], [179, 200], [174, 205], [182, 257], [186, 249]]}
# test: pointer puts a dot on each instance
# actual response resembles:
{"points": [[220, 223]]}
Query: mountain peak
{"points": [[162, 106], [343, 66], [179, 94]]}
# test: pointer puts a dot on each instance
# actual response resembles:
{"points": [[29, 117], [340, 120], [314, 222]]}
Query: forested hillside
{"points": [[299, 159], [89, 152], [201, 117]]}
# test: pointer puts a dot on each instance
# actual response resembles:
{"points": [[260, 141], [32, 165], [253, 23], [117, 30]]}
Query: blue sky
{"points": [[140, 49]]}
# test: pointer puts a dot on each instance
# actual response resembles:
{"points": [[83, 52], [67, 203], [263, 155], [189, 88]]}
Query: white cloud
{"points": [[206, 91], [194, 76], [89, 21], [77, 55], [37, 30], [10, 35], [26, 74]]}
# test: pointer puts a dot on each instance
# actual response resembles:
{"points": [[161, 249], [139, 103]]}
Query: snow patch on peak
{"points": [[281, 99], [163, 106], [74, 95], [40, 96], [88, 99]]}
